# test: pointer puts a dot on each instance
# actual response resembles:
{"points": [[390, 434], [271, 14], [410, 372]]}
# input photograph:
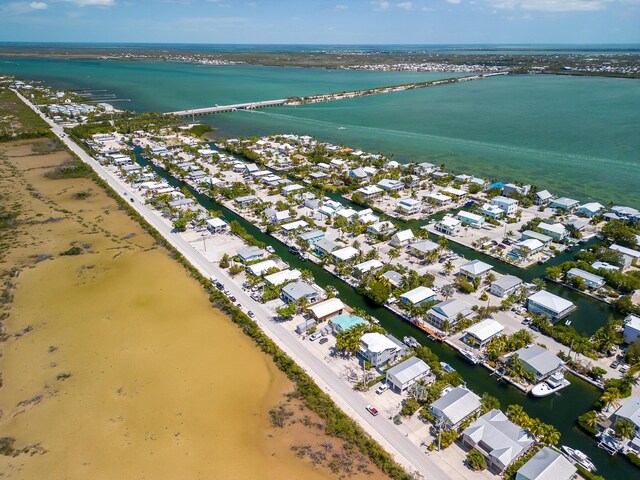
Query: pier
{"points": [[195, 112]]}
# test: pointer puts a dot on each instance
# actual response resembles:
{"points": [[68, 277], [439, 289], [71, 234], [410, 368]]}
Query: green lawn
{"points": [[17, 120]]}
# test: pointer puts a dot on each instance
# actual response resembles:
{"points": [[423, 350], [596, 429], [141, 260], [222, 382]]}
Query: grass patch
{"points": [[72, 252], [72, 169], [17, 120], [80, 195]]}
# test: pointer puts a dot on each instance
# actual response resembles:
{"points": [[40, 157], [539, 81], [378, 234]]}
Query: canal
{"points": [[560, 410]]}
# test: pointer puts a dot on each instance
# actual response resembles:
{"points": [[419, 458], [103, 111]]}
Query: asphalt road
{"points": [[381, 428]]}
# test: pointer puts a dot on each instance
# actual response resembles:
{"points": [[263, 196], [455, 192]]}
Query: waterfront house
{"points": [[274, 217], [449, 226], [591, 280], [412, 181], [405, 374], [249, 168], [409, 206], [324, 166], [216, 225], [369, 191], [482, 333], [527, 234], [475, 269], [454, 407], [261, 268], [498, 439], [418, 296], [491, 211], [553, 306], [557, 231], [505, 286], [324, 247], [422, 248], [318, 175], [338, 163], [590, 209], [528, 247], [629, 256], [289, 189], [347, 213], [358, 174], [631, 330], [325, 310], [539, 361], [295, 291], [367, 217], [245, 200], [439, 198], [509, 206], [282, 277], [564, 203], [510, 188], [343, 322], [626, 213], [576, 224], [401, 238], [365, 267], [312, 237], [344, 254], [381, 228], [425, 168], [390, 185], [629, 411], [462, 178], [249, 254], [547, 464], [181, 203], [380, 349], [542, 198], [452, 311], [394, 278], [470, 218], [604, 266], [293, 226]]}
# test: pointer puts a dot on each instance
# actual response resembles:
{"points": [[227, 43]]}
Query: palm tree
{"points": [[394, 253], [624, 428], [517, 414], [539, 283], [443, 243], [551, 435], [448, 267], [611, 397], [628, 380], [448, 290]]}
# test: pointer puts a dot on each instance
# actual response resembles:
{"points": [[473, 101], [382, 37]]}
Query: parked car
{"points": [[314, 336], [323, 341], [382, 388], [232, 298], [624, 369], [615, 364], [250, 313], [372, 410]]}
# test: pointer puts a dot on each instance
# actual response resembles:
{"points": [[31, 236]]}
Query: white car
{"points": [[382, 388], [315, 336]]}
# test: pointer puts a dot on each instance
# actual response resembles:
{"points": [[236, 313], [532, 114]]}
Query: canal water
{"points": [[560, 410]]}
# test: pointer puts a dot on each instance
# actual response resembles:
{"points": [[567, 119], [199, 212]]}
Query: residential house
{"points": [[249, 254], [553, 306], [312, 237], [528, 247], [395, 279], [370, 191], [381, 228], [547, 464], [345, 322], [470, 218], [629, 256], [358, 174], [401, 238], [390, 185], [245, 200], [275, 217], [492, 211], [510, 188], [527, 234], [422, 248], [418, 296], [289, 189], [590, 209], [293, 226], [380, 349], [505, 286], [591, 280], [482, 333], [344, 254], [498, 439], [324, 247], [365, 267], [449, 226], [539, 361], [283, 276], [216, 225], [327, 309], [629, 411], [409, 206], [475, 269], [451, 311], [509, 206], [557, 231], [631, 328], [454, 193], [425, 168], [295, 291], [542, 198], [405, 374], [454, 407], [439, 198], [626, 213], [564, 203], [261, 268], [347, 213]]}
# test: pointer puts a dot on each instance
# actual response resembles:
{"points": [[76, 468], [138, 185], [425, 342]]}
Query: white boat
{"points": [[554, 383], [576, 456], [341, 128], [469, 355]]}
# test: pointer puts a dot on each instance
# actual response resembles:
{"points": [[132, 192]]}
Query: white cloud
{"points": [[454, 1], [38, 5], [552, 5], [405, 5], [380, 5], [97, 3], [19, 8]]}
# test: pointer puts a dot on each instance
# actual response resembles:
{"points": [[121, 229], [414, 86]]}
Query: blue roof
{"points": [[346, 321]]}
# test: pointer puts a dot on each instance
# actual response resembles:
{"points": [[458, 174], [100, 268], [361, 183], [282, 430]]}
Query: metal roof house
{"points": [[539, 361], [498, 439], [527, 234], [505, 285], [423, 247], [401, 238], [295, 291], [475, 269], [390, 185], [450, 310], [542, 198], [261, 268], [327, 309], [405, 374], [455, 406], [249, 254], [631, 328], [216, 225], [547, 464], [284, 276], [483, 332], [345, 254], [557, 231], [394, 277], [343, 322], [418, 296], [629, 256], [509, 206], [470, 218], [312, 237], [380, 349], [553, 306], [590, 279], [324, 246], [449, 226], [564, 203], [369, 265]]}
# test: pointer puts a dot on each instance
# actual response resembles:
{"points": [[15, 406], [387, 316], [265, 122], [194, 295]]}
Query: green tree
{"points": [[489, 403], [225, 261], [624, 428], [476, 460]]}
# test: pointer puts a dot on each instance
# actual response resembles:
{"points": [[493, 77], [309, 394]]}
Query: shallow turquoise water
{"points": [[575, 136]]}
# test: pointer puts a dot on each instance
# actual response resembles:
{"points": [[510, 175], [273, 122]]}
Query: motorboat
{"points": [[576, 456], [411, 342], [469, 355], [447, 368], [554, 383]]}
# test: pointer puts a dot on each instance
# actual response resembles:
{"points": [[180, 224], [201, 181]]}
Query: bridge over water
{"points": [[194, 112]]}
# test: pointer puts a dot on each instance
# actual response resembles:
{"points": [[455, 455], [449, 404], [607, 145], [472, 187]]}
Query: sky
{"points": [[322, 21]]}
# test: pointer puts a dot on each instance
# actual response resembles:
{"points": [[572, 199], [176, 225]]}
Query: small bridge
{"points": [[228, 108]]}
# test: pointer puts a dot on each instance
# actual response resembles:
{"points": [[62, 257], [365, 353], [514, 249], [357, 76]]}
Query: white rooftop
{"points": [[551, 301], [418, 294], [485, 329], [327, 307]]}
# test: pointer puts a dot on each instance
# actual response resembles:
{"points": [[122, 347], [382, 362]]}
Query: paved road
{"points": [[382, 429]]}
